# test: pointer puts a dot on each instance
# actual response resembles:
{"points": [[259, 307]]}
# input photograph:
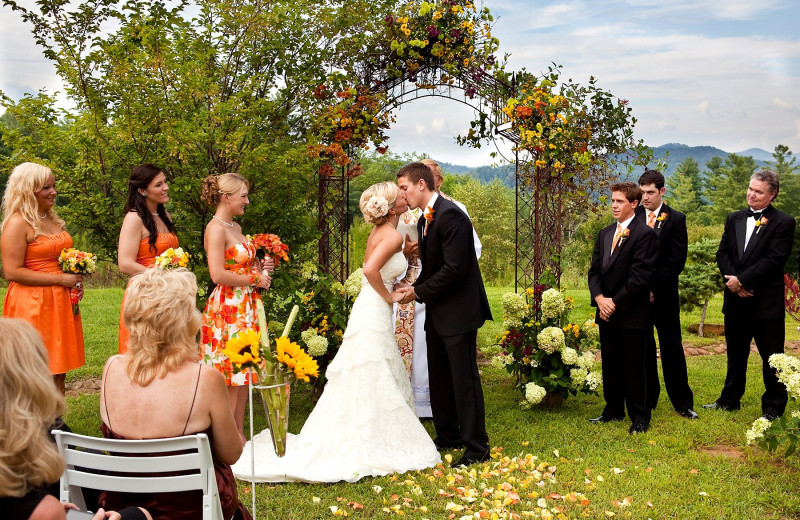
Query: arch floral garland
{"points": [[453, 35]]}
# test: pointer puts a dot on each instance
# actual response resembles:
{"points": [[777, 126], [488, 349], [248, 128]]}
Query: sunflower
{"points": [[243, 349]]}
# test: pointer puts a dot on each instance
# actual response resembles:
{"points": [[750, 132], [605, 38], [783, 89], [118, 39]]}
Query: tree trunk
{"points": [[702, 319]]}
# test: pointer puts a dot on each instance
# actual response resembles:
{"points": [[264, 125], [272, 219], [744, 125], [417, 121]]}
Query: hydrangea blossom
{"points": [[551, 339], [552, 304], [309, 271], [534, 393], [514, 306], [316, 345], [591, 330], [756, 431], [502, 360], [586, 361], [569, 356], [578, 376], [352, 286], [594, 379]]}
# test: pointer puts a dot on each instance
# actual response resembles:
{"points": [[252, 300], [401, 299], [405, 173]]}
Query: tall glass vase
{"points": [[274, 390]]}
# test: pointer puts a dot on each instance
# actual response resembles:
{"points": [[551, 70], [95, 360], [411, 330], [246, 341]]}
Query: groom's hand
{"points": [[411, 249], [409, 295]]}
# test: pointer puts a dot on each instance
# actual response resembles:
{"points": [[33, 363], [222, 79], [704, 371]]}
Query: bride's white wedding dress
{"points": [[364, 424]]}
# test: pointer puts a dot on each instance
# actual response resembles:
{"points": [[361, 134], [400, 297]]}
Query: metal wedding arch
{"points": [[539, 212]]}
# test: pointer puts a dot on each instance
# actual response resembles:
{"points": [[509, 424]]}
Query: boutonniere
{"points": [[761, 222], [625, 233], [661, 218], [429, 211]]}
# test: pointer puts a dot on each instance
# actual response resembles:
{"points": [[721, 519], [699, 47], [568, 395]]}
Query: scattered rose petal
{"points": [[316, 500]]}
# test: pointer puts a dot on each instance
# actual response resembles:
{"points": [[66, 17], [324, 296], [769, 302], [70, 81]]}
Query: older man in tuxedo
{"points": [[673, 243], [451, 286], [755, 245], [619, 283]]}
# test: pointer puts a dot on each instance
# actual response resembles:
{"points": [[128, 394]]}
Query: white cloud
{"points": [[703, 107], [778, 102]]}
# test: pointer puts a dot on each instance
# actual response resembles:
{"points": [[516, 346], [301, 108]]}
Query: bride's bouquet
{"points": [[74, 261], [172, 258], [276, 370]]}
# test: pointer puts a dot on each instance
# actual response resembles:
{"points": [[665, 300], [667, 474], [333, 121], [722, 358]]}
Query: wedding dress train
{"points": [[364, 424]]}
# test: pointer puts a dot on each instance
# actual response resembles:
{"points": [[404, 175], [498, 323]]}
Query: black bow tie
{"points": [[754, 214]]}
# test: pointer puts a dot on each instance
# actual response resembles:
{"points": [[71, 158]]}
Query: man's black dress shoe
{"points": [[688, 413], [771, 417], [604, 419], [638, 428], [468, 461], [720, 406], [446, 446]]}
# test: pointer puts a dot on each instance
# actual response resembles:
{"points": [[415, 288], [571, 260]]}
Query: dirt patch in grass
{"points": [[83, 386], [731, 452]]}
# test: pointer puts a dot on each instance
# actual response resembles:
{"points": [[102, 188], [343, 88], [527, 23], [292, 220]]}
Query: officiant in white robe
{"points": [[410, 317]]}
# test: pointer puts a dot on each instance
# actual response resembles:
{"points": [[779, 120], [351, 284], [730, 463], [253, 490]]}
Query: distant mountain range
{"points": [[674, 153]]}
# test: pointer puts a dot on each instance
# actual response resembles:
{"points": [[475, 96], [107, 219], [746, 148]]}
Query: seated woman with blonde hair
{"points": [[29, 460], [157, 389]]}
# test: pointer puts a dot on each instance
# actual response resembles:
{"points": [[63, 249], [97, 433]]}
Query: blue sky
{"points": [[724, 73]]}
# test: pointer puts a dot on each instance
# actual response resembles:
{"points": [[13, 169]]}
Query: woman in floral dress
{"points": [[233, 266]]}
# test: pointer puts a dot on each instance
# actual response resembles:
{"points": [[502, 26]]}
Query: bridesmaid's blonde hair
{"points": [[30, 403], [163, 322], [25, 180], [215, 186]]}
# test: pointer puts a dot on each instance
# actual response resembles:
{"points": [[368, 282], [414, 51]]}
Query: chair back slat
{"points": [[132, 463], [136, 484], [139, 466]]}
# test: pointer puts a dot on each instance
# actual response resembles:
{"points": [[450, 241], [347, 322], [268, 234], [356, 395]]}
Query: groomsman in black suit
{"points": [[451, 287], [619, 283], [673, 244], [755, 245]]}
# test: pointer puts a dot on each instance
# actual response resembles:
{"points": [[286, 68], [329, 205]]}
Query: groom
{"points": [[451, 286]]}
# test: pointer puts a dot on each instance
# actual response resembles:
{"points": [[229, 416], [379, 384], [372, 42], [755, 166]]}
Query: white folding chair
{"points": [[89, 458]]}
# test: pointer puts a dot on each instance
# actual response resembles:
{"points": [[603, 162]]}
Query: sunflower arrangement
{"points": [[250, 350]]}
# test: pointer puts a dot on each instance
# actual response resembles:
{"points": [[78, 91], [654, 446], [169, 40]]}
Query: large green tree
{"points": [[785, 164], [684, 189], [199, 88], [726, 187]]}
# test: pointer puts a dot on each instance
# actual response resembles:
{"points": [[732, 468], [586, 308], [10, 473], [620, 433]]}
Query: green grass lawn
{"points": [[679, 469]]}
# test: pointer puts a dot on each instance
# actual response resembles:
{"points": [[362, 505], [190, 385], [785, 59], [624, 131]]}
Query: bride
{"points": [[364, 424]]}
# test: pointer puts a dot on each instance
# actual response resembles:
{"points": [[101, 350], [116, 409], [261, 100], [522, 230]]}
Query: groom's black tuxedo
{"points": [[625, 277], [759, 268], [451, 286], [673, 244]]}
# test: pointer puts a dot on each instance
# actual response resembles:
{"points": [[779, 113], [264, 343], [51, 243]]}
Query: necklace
{"points": [[229, 224], [44, 216], [154, 214]]}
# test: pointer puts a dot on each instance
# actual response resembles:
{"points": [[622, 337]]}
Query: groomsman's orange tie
{"points": [[652, 220], [616, 238]]}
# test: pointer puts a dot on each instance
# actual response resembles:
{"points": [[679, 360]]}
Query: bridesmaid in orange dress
{"points": [[147, 230], [33, 236], [233, 266]]}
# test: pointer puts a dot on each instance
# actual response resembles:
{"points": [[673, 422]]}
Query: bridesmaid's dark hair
{"points": [[140, 179]]}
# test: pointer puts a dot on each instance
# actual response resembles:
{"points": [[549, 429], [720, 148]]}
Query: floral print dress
{"points": [[230, 311]]}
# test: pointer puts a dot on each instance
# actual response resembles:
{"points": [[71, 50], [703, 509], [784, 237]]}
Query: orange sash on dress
{"points": [[146, 257], [47, 307]]}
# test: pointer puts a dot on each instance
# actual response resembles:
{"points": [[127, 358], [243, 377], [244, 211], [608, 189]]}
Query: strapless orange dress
{"points": [[47, 307], [146, 257]]}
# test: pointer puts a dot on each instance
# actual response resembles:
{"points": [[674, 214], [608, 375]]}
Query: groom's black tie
{"points": [[754, 214]]}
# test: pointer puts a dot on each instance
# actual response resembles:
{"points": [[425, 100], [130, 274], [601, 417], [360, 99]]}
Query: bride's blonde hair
{"points": [[386, 190], [25, 180]]}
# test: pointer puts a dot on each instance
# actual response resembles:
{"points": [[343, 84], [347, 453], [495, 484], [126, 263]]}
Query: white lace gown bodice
{"points": [[364, 424]]}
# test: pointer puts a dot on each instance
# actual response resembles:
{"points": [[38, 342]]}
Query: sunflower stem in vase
{"points": [[278, 370]]}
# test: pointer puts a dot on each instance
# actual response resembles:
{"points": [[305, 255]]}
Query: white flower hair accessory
{"points": [[377, 206]]}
